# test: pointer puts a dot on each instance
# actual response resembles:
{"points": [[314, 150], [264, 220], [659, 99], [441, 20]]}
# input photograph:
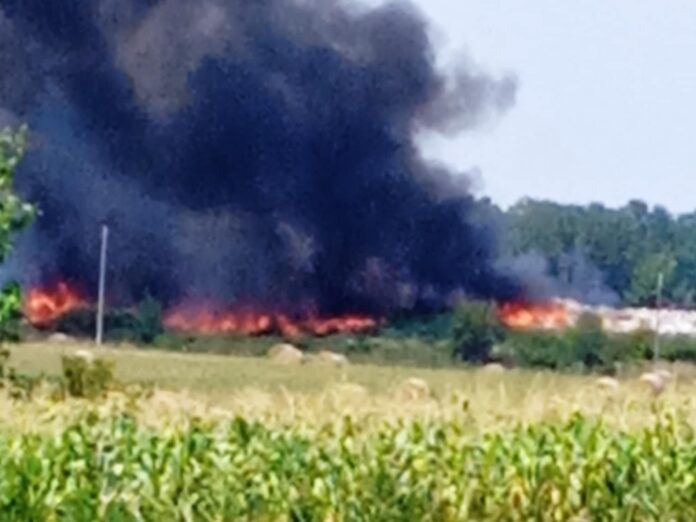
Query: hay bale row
{"points": [[289, 354], [656, 381]]}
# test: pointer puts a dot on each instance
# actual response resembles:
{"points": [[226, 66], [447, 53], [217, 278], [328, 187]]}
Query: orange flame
{"points": [[196, 319], [204, 321], [44, 305], [544, 316]]}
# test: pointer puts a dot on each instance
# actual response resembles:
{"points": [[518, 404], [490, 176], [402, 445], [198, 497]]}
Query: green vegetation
{"points": [[148, 323], [85, 376], [584, 346], [587, 347], [629, 246], [15, 215], [470, 334], [111, 467], [313, 391], [475, 330], [257, 440]]}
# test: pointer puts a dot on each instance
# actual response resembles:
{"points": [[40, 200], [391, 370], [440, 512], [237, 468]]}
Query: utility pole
{"points": [[102, 285], [658, 304]]}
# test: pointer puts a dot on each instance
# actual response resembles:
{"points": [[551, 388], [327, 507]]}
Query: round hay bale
{"points": [[414, 388], [285, 354], [494, 368], [350, 390], [327, 356], [607, 383], [85, 355], [666, 375], [655, 381], [59, 337]]}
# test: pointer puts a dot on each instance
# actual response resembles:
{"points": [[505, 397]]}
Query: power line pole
{"points": [[656, 340], [102, 285]]}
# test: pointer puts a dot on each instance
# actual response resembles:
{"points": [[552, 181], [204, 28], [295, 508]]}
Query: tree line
{"points": [[625, 248]]}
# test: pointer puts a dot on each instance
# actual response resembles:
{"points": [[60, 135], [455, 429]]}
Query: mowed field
{"points": [[314, 392]]}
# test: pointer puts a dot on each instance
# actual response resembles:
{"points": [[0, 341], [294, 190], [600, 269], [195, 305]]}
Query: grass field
{"points": [[317, 393]]}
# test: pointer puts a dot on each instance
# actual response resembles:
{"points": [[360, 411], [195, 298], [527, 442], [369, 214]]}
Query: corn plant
{"points": [[107, 466]]}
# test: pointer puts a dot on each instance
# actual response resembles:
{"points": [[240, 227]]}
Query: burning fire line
{"points": [[200, 320], [45, 305]]}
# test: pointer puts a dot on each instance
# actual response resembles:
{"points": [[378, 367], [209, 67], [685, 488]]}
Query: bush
{"points": [[431, 327], [627, 348], [148, 324], [173, 341], [678, 348], [584, 346], [534, 350], [10, 313], [586, 342], [87, 377], [17, 385], [475, 329]]}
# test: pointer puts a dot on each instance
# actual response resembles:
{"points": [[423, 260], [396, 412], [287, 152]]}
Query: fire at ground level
{"points": [[559, 314], [43, 307]]}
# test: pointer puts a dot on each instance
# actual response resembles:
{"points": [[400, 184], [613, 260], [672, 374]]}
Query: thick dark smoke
{"points": [[258, 152]]}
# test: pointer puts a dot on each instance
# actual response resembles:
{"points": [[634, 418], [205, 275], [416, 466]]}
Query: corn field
{"points": [[107, 465]]}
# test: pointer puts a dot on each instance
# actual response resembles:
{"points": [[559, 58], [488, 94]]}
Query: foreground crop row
{"points": [[110, 467]]}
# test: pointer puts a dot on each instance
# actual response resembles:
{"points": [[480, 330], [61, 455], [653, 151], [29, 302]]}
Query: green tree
{"points": [[149, 320], [643, 289], [628, 245], [15, 215], [587, 341], [475, 329]]}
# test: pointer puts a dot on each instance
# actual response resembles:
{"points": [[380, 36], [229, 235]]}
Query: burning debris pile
{"points": [[560, 314], [255, 154]]}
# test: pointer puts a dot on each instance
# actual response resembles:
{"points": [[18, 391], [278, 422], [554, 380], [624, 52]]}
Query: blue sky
{"points": [[606, 109]]}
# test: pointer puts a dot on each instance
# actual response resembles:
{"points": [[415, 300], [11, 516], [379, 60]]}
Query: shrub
{"points": [[586, 341], [430, 327], [584, 346], [173, 341], [678, 348], [633, 347], [21, 386], [10, 313], [87, 377], [148, 324], [534, 350], [17, 385], [475, 329]]}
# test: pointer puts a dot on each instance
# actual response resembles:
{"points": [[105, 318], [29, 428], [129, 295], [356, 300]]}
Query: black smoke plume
{"points": [[258, 152]]}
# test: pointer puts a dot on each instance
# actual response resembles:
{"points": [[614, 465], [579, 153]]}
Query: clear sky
{"points": [[606, 108]]}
